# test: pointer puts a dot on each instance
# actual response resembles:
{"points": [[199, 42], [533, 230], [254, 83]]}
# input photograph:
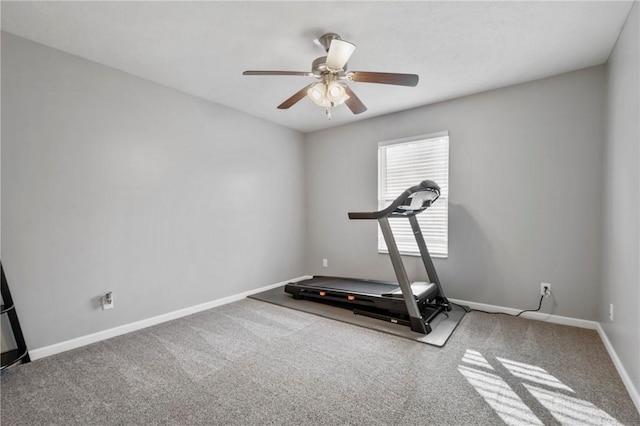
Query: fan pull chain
{"points": [[327, 111]]}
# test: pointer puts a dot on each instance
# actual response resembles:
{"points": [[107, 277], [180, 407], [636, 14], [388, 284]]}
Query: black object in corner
{"points": [[20, 354]]}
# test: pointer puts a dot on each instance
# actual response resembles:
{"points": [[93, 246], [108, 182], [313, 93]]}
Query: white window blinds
{"points": [[405, 163]]}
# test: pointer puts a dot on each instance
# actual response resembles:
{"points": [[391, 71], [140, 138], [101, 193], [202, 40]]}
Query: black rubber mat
{"points": [[442, 326]]}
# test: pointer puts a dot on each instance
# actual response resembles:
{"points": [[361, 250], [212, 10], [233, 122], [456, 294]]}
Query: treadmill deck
{"points": [[371, 288]]}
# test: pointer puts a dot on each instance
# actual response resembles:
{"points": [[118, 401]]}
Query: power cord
{"points": [[467, 310]]}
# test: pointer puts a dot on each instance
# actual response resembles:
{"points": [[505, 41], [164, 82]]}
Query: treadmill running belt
{"points": [[352, 286]]}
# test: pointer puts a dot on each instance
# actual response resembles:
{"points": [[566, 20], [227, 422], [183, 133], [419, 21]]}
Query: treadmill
{"points": [[412, 304]]}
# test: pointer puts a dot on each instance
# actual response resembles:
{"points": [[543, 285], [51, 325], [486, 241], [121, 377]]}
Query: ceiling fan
{"points": [[331, 70]]}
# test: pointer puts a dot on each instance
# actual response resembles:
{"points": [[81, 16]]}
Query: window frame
{"points": [[444, 198]]}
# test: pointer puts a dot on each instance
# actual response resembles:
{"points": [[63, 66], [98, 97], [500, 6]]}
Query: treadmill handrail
{"points": [[425, 185]]}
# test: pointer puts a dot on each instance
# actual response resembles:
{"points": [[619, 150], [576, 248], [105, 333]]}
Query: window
{"points": [[405, 163]]}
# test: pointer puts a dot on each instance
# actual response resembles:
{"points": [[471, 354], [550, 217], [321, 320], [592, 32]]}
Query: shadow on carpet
{"points": [[442, 326]]}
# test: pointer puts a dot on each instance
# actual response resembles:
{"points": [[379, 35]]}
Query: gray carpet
{"points": [[442, 325], [252, 362]]}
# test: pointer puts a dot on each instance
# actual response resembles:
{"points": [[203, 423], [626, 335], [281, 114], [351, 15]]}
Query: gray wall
{"points": [[111, 182], [525, 194], [621, 249]]}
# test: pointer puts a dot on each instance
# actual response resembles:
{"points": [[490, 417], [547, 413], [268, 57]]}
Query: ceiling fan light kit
{"points": [[330, 91], [328, 95]]}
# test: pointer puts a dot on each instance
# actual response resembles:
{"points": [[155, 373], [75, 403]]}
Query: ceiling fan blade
{"points": [[300, 73], [339, 53], [353, 102], [295, 98], [383, 78]]}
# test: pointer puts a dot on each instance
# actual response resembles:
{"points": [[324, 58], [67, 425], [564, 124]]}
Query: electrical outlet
{"points": [[545, 289], [325, 263], [611, 312], [107, 301]]}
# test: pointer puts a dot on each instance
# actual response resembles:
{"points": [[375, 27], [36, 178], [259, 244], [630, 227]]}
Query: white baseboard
{"points": [[540, 316], [556, 319], [633, 392], [127, 328]]}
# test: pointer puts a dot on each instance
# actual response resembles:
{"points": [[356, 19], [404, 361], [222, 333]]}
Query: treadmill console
{"points": [[417, 202], [416, 199], [411, 202]]}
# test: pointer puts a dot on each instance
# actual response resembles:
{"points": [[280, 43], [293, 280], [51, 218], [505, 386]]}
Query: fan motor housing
{"points": [[325, 40], [319, 66]]}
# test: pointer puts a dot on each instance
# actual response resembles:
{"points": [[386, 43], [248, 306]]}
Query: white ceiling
{"points": [[201, 48]]}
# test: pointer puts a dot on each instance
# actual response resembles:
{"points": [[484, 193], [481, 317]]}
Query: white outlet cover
{"points": [[542, 286], [106, 305]]}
